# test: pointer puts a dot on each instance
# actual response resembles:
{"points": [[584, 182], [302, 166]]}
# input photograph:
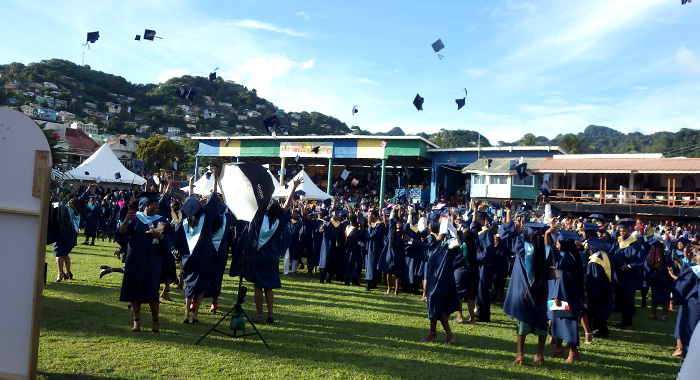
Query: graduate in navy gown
{"points": [[269, 239], [315, 236], [526, 297], [66, 237], [682, 257], [168, 272], [392, 260], [487, 258], [656, 270], [599, 282], [331, 247], [687, 293], [415, 255], [441, 288], [567, 294], [376, 235], [296, 242], [628, 261], [142, 232], [466, 273], [93, 211], [221, 238], [355, 239]]}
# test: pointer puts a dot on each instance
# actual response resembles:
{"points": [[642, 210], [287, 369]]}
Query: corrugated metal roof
{"points": [[620, 165], [500, 165]]}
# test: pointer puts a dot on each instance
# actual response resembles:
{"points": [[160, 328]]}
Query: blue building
{"points": [[46, 114]]}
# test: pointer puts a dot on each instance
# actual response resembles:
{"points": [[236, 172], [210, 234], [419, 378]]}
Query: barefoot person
{"points": [[142, 232]]}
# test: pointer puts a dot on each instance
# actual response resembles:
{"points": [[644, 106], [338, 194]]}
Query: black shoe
{"points": [[356, 283], [368, 287]]}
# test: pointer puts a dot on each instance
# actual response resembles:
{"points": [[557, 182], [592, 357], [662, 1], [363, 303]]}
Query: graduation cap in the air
{"points": [[597, 216], [354, 110], [522, 171], [284, 130], [87, 173], [536, 229], [685, 1], [418, 102], [271, 124], [117, 175], [513, 164], [92, 37], [138, 165], [437, 46], [228, 140], [544, 190], [495, 205], [122, 141], [212, 76], [315, 149], [208, 175], [150, 35], [137, 38], [461, 102]]}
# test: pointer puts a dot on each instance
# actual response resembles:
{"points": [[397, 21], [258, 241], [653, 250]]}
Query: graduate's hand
{"points": [[155, 234], [557, 302], [129, 216], [670, 272], [624, 267]]}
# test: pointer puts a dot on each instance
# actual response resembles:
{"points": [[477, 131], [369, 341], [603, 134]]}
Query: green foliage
{"points": [[161, 149], [58, 153], [459, 139], [573, 144], [396, 131], [528, 140]]}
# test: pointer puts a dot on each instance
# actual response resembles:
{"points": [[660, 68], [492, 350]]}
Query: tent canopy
{"points": [[312, 191], [102, 166]]}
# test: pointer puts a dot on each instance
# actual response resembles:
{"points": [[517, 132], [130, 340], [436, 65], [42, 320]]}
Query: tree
{"points": [[160, 150], [396, 131], [573, 144], [528, 140]]}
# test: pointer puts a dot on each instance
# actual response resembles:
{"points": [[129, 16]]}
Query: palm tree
{"points": [[528, 140], [573, 144]]}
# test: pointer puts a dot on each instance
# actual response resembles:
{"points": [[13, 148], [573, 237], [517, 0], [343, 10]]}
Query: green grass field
{"points": [[321, 331]]}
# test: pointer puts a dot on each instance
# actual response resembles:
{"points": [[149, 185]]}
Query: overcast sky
{"points": [[545, 66]]}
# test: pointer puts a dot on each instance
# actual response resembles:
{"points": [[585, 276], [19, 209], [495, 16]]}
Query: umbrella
{"points": [[246, 188], [596, 216]]}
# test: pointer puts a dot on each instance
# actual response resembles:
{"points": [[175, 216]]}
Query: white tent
{"points": [[103, 166], [312, 191], [203, 185]]}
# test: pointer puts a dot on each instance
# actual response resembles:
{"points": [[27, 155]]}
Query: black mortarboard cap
{"points": [[149, 34], [460, 103], [536, 229], [505, 229], [437, 46], [522, 171], [401, 198], [271, 123], [591, 227], [208, 175], [569, 235], [191, 206], [212, 76], [513, 164], [315, 149], [495, 205], [626, 222], [137, 38], [418, 102], [656, 242], [484, 215], [327, 202], [117, 175], [343, 212], [92, 37], [354, 110], [181, 91], [544, 189], [284, 130], [599, 245], [138, 165], [681, 240], [87, 173], [597, 216], [148, 196], [122, 141], [300, 192]]}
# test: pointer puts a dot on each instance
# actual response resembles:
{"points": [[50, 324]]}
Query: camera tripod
{"points": [[242, 290]]}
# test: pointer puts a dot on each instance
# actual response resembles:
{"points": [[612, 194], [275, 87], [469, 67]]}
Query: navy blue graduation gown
{"points": [[66, 236], [143, 262], [630, 252], [568, 288], [687, 294], [441, 288], [296, 241], [466, 270], [415, 254], [354, 242], [524, 302], [316, 237], [656, 272], [264, 263], [487, 257], [197, 251], [376, 234], [599, 286], [221, 241], [392, 259], [332, 251]]}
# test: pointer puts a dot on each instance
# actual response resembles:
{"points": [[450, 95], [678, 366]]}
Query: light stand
{"points": [[242, 290]]}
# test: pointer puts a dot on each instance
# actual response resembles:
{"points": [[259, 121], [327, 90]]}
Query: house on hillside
{"points": [[88, 128], [242, 117], [46, 114], [65, 116], [191, 119], [28, 110], [51, 85], [210, 103], [191, 126], [50, 101], [124, 147], [156, 108], [61, 103], [174, 130], [260, 106], [12, 86], [253, 114]]}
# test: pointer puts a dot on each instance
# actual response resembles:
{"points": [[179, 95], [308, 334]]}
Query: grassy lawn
{"points": [[321, 331]]}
